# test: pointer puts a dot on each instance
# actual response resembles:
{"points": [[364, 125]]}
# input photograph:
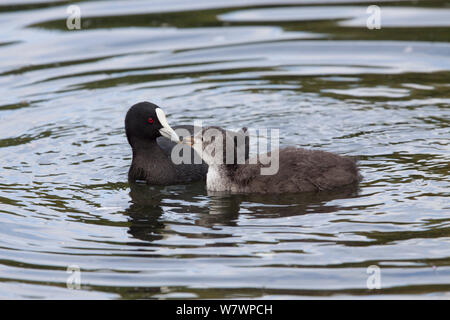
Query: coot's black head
{"points": [[146, 121]]}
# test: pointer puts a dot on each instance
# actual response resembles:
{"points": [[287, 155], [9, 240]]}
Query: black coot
{"points": [[152, 140]]}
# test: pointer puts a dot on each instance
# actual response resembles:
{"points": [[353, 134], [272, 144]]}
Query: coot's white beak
{"points": [[166, 130]]}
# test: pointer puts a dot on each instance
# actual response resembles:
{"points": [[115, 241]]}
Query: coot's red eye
{"points": [[150, 120]]}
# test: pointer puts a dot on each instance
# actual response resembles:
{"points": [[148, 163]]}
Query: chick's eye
{"points": [[150, 120]]}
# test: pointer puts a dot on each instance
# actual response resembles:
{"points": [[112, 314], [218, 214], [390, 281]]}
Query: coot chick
{"points": [[152, 140], [299, 170]]}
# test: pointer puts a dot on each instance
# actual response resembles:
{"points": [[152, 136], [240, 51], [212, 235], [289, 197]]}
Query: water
{"points": [[310, 68]]}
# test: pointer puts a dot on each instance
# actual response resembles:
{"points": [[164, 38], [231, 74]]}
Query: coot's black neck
{"points": [[142, 146]]}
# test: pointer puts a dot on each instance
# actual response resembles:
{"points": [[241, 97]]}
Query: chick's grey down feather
{"points": [[292, 169], [300, 170]]}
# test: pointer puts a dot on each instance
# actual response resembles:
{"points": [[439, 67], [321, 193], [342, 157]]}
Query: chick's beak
{"points": [[188, 140]]}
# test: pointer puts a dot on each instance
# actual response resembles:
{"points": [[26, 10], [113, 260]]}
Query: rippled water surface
{"points": [[310, 68]]}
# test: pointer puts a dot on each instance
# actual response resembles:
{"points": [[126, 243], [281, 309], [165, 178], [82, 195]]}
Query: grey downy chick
{"points": [[299, 170]]}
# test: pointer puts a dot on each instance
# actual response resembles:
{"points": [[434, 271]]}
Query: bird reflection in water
{"points": [[215, 209]]}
